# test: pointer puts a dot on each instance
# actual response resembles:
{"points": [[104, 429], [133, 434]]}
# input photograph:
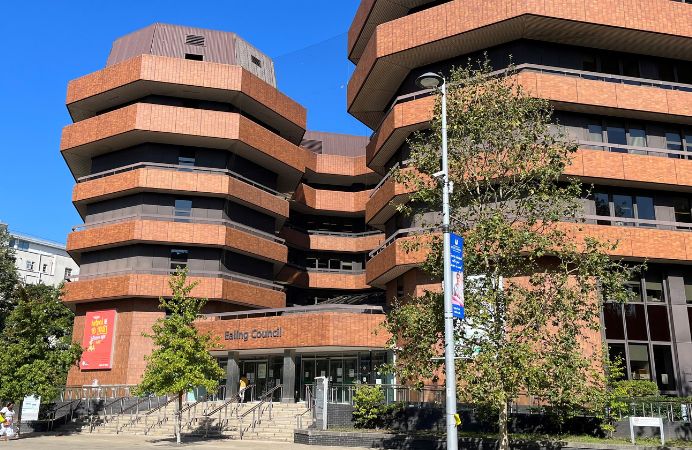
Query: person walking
{"points": [[7, 430], [242, 387]]}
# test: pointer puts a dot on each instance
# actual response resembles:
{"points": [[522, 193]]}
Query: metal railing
{"points": [[398, 234], [233, 276], [310, 407], [634, 149], [106, 391], [333, 233], [265, 405], [539, 68], [642, 223], [393, 393], [181, 219], [311, 309], [180, 168]]}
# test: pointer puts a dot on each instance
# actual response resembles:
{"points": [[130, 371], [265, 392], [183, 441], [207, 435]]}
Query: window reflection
{"points": [[640, 368]]}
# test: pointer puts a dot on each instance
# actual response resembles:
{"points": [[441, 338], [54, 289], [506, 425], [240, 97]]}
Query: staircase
{"points": [[270, 421]]}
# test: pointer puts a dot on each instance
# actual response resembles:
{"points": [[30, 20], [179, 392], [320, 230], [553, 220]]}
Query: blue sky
{"points": [[51, 42]]}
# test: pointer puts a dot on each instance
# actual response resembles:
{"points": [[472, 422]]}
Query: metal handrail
{"points": [[309, 403], [181, 219], [326, 270], [201, 273], [257, 411], [399, 233], [179, 168], [388, 175], [634, 148]]}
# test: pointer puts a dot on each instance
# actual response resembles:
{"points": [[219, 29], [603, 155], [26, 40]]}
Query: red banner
{"points": [[99, 330]]}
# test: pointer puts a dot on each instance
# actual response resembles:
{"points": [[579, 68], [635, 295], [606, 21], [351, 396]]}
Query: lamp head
{"points": [[430, 80]]}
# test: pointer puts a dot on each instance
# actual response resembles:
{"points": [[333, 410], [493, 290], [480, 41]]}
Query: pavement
{"points": [[124, 441]]}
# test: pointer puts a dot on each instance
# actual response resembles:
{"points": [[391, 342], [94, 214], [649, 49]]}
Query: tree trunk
{"points": [[504, 436], [178, 425]]}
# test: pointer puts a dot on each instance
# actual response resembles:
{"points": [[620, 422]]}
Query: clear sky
{"points": [[49, 42]]}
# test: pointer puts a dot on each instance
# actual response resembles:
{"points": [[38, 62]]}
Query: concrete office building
{"points": [[185, 154], [41, 261], [619, 75]]}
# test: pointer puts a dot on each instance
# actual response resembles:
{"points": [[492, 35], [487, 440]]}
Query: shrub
{"points": [[369, 408]]}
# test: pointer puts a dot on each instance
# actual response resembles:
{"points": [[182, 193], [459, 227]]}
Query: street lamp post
{"points": [[436, 81]]}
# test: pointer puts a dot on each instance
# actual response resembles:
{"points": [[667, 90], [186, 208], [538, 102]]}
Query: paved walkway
{"points": [[122, 441]]}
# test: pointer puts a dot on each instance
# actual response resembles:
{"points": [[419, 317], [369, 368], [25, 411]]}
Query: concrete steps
{"points": [[162, 423]]}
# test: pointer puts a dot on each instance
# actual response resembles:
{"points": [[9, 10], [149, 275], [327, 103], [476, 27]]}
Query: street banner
{"points": [[456, 254], [30, 407], [99, 330]]}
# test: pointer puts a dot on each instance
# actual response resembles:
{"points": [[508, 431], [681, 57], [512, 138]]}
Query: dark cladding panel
{"points": [[170, 40], [334, 143], [131, 45]]}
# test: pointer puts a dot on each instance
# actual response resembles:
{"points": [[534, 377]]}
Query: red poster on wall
{"points": [[99, 330]]}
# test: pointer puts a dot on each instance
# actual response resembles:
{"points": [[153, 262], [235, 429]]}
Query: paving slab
{"points": [[124, 441]]}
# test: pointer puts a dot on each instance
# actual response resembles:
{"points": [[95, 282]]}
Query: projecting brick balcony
{"points": [[142, 122], [161, 75], [148, 177], [348, 166], [322, 279], [347, 203], [225, 234], [332, 241], [656, 27], [396, 256], [147, 285]]}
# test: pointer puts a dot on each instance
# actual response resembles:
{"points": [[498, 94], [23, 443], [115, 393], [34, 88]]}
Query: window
{"points": [[186, 157], [612, 318], [179, 258], [256, 61], [635, 322], [183, 209], [194, 57], [616, 135], [665, 374], [683, 213], [616, 352], [645, 210], [68, 273], [29, 265], [623, 206], [654, 288], [22, 245], [44, 268], [640, 368], [626, 207]]}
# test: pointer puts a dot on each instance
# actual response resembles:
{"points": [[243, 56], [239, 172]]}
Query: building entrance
{"points": [[263, 375]]}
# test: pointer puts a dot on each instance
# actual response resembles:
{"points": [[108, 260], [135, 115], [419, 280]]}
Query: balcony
{"points": [[169, 178], [332, 240], [140, 123], [462, 27], [160, 75], [193, 231], [396, 256], [308, 277], [153, 283], [319, 201]]}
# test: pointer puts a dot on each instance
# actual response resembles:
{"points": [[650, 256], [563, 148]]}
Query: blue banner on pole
{"points": [[456, 253]]}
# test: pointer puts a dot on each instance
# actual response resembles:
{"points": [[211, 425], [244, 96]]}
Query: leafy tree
{"points": [[533, 299], [181, 360], [37, 347], [9, 279]]}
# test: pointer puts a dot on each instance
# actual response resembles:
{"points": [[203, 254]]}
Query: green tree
{"points": [[37, 347], [9, 279], [181, 360], [536, 284]]}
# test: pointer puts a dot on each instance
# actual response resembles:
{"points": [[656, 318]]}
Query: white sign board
{"points": [[30, 407], [646, 422]]}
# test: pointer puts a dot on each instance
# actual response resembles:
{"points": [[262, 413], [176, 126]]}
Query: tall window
{"points": [[639, 332], [68, 273]]}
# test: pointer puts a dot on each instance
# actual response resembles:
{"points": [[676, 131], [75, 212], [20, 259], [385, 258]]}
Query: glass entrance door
{"points": [[257, 373]]}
